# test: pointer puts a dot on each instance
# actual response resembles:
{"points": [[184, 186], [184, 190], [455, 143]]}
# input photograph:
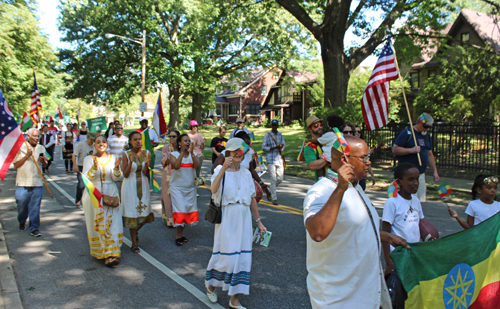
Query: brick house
{"points": [[262, 93]]}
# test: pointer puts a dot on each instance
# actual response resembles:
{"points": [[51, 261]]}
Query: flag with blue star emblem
{"points": [[375, 104], [11, 138]]}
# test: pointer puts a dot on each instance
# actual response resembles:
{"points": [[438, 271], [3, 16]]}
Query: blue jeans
{"points": [[28, 201]]}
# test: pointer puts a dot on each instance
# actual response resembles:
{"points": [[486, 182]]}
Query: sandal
{"points": [[184, 239], [179, 241], [135, 249], [110, 262]]}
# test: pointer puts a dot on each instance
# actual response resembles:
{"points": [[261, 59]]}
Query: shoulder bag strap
{"points": [[275, 142], [371, 218], [222, 193]]}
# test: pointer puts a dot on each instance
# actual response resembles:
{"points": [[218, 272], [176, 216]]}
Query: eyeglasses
{"points": [[490, 179], [317, 124], [427, 126], [364, 159]]}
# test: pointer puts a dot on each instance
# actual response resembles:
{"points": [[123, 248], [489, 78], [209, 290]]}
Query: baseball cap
{"points": [[239, 119], [275, 122], [193, 123]]}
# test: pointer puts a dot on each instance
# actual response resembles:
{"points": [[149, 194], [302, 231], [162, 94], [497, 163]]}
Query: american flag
{"points": [[36, 105], [11, 138], [375, 97]]}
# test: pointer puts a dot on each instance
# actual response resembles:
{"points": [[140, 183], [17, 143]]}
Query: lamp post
{"points": [[143, 44]]}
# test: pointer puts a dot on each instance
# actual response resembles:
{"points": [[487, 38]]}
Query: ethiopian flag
{"points": [[459, 271], [95, 195], [146, 144]]}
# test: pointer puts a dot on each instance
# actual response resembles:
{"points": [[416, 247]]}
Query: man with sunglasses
{"points": [[406, 150], [343, 237], [313, 152], [117, 142]]}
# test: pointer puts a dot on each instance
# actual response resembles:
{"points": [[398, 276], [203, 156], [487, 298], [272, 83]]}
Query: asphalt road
{"points": [[57, 271]]}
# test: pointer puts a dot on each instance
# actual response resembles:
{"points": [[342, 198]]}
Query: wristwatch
{"points": [[257, 220]]}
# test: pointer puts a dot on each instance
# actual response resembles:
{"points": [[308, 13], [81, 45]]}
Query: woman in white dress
{"points": [[166, 201], [182, 189], [135, 189], [231, 260], [104, 225]]}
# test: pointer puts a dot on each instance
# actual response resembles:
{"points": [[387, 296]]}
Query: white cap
{"points": [[143, 118], [234, 144], [239, 119]]}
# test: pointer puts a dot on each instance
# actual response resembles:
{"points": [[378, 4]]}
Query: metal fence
{"points": [[467, 147]]}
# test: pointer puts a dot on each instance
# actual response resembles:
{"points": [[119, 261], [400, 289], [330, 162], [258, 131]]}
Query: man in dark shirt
{"points": [[218, 143], [406, 150]]}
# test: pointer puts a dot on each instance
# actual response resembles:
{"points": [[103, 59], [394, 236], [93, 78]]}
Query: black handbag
{"points": [[214, 212], [396, 290]]}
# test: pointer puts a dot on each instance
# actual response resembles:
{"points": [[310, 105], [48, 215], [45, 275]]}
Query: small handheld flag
{"points": [[244, 148], [156, 187], [444, 190], [46, 156], [300, 157], [259, 159], [252, 136], [393, 189], [27, 122], [220, 123], [94, 193], [340, 144]]}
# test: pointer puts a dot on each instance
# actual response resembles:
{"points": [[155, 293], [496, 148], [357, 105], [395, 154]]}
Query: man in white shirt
{"points": [[273, 144], [48, 140], [29, 182], [117, 142], [239, 126], [343, 238], [152, 134], [81, 151]]}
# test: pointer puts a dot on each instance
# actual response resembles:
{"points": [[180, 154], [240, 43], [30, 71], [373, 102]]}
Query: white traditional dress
{"points": [[104, 225], [231, 261], [183, 192], [135, 194]]}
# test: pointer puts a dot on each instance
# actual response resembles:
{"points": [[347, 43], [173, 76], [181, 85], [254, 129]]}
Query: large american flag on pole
{"points": [[11, 138], [36, 105], [375, 103]]}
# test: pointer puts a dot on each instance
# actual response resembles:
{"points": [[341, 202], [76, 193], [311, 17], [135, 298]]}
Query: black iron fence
{"points": [[468, 147]]}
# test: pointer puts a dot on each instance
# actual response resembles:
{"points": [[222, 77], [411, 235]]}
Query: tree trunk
{"points": [[173, 123], [336, 70], [196, 107]]}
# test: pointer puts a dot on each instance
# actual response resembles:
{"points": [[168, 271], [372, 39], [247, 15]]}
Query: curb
{"points": [[9, 294]]}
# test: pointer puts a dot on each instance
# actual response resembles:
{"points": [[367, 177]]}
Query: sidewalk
{"points": [[458, 185]]}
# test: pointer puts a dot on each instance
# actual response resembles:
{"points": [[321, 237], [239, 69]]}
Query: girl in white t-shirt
{"points": [[402, 214], [483, 208]]}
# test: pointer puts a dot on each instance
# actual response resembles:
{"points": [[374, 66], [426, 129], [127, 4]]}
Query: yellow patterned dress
{"points": [[104, 225], [135, 194]]}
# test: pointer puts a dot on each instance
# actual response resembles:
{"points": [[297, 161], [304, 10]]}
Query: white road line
{"points": [[164, 269]]}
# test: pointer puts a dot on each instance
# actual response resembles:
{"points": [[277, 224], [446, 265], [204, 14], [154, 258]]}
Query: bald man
{"points": [[29, 182], [343, 238]]}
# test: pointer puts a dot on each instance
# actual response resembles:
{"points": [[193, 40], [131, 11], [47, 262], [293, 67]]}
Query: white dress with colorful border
{"points": [[231, 261], [104, 225], [183, 193]]}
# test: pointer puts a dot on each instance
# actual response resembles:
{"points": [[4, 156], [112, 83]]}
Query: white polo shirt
{"points": [[28, 175], [481, 211], [344, 269]]}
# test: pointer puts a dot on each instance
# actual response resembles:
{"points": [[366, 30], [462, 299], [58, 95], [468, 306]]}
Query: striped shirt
{"points": [[116, 144], [273, 156]]}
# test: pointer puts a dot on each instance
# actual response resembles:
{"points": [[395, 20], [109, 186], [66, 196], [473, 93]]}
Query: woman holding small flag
{"points": [[184, 162], [104, 226], [135, 188], [166, 201]]}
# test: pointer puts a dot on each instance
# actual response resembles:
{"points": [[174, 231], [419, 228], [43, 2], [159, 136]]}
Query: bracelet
{"points": [[261, 182], [257, 221]]}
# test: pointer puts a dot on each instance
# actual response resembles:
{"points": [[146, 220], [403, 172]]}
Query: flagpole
{"points": [[406, 103], [39, 171]]}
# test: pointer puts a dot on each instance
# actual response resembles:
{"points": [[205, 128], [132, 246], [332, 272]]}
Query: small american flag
{"points": [[36, 105], [375, 103], [11, 138]]}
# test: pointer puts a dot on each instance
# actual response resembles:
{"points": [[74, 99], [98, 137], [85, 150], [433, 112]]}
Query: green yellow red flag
{"points": [[94, 193], [460, 271]]}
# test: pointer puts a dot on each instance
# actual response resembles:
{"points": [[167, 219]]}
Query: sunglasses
{"points": [[118, 128], [358, 131], [489, 180], [427, 126], [364, 159], [347, 132], [172, 136], [317, 124]]}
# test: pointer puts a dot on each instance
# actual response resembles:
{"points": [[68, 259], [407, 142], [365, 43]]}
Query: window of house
{"points": [[465, 37], [431, 73], [414, 80], [252, 109], [234, 109], [279, 92], [263, 90], [218, 110]]}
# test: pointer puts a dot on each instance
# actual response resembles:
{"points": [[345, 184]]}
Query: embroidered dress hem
{"points": [[134, 223], [99, 252], [186, 224]]}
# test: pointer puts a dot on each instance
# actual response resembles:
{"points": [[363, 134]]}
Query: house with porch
{"points": [[263, 93]]}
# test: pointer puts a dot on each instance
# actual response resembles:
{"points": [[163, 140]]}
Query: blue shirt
{"points": [[273, 156], [405, 140]]}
